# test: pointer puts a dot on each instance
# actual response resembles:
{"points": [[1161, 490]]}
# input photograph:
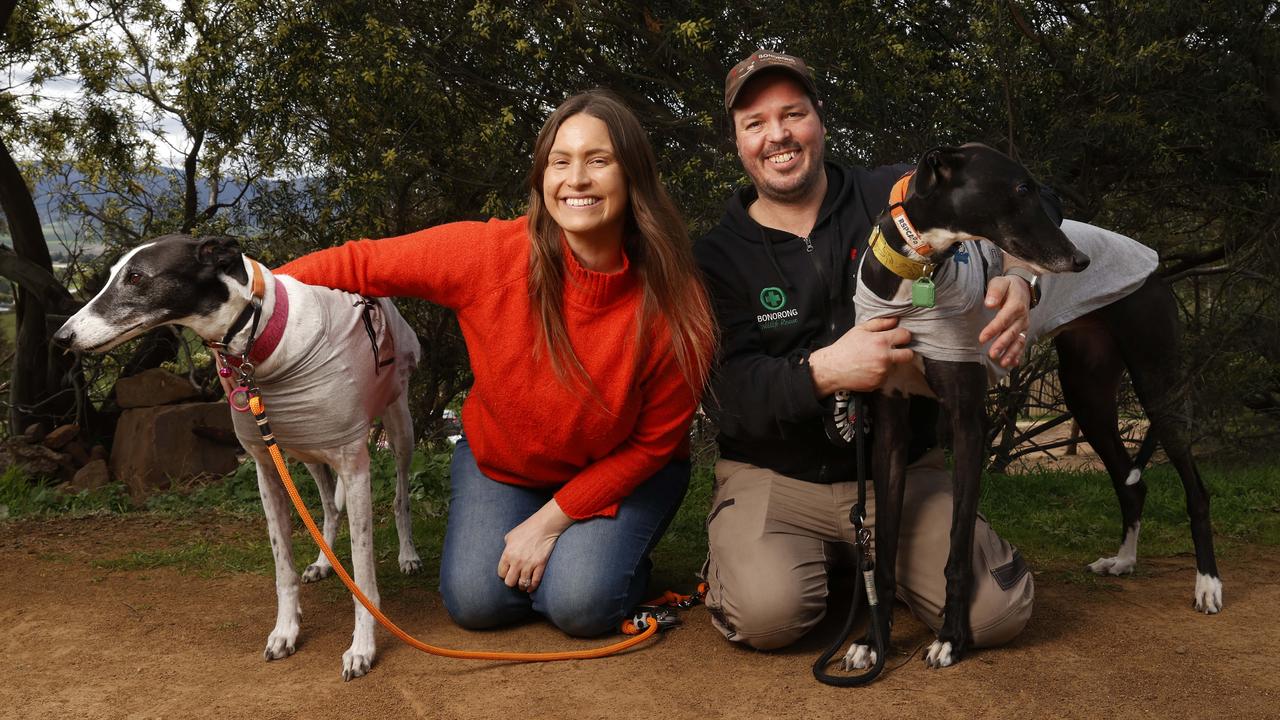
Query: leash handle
{"points": [[260, 416]]}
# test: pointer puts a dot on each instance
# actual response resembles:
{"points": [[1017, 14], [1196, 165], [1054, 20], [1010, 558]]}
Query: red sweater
{"points": [[526, 426]]}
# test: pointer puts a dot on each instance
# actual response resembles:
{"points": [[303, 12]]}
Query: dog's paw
{"points": [[859, 657], [355, 664], [315, 572], [410, 566], [939, 655], [1208, 598], [279, 646], [1117, 565]]}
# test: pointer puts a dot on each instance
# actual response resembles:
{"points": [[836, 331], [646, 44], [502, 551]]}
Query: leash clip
{"points": [[666, 618]]}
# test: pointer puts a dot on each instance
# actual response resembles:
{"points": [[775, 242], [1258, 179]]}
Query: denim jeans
{"points": [[597, 572]]}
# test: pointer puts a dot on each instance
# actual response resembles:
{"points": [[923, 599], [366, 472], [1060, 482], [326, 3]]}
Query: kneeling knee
{"points": [[477, 607], [583, 615], [1011, 620], [772, 622]]}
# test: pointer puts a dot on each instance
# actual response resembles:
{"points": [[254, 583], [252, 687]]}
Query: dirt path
{"points": [[81, 641]]}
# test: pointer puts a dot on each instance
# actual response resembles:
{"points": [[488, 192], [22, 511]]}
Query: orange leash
{"points": [[260, 416]]}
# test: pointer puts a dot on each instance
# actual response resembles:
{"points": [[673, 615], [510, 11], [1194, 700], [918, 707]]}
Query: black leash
{"points": [[866, 566]]}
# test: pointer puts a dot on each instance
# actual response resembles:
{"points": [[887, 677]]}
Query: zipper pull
{"points": [[808, 245]]}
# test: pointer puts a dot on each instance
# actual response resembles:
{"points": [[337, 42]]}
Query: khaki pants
{"points": [[773, 540]]}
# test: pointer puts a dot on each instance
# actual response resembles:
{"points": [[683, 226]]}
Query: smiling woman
{"points": [[590, 339]]}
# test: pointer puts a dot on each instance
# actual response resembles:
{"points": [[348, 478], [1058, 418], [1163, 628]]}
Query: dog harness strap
{"points": [[897, 196], [271, 334], [252, 310], [259, 286]]}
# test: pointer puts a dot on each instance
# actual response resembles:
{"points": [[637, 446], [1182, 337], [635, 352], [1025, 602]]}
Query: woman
{"points": [[590, 339]]}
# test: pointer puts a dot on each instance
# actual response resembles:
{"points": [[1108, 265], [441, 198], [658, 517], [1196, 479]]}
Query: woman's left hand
{"points": [[529, 546], [1009, 327]]}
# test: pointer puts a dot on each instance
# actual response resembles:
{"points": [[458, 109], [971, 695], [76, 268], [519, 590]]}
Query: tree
{"points": [[38, 388]]}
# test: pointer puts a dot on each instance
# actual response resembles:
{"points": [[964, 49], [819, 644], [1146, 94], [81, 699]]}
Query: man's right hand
{"points": [[860, 360]]}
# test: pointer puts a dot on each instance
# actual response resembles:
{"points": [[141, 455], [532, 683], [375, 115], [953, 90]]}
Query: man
{"points": [[781, 268]]}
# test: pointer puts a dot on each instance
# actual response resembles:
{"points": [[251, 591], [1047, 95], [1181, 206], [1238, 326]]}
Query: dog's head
{"points": [[174, 279], [974, 191]]}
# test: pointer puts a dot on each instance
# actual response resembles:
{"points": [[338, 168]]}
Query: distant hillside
{"points": [[56, 226]]}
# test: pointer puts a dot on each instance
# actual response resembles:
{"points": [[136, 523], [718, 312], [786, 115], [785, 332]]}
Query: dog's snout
{"points": [[1079, 261], [64, 337]]}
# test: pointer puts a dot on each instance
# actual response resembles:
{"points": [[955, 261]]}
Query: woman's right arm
{"points": [[441, 264]]}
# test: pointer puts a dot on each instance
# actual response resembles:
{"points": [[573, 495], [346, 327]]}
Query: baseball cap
{"points": [[759, 61]]}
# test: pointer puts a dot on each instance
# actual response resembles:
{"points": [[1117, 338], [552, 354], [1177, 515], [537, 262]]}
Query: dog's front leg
{"points": [[352, 466], [892, 435], [961, 388], [275, 505]]}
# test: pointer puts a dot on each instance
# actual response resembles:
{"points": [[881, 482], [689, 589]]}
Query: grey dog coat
{"points": [[322, 386], [949, 331]]}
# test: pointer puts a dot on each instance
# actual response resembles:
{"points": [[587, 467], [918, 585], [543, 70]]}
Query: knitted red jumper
{"points": [[525, 425]]}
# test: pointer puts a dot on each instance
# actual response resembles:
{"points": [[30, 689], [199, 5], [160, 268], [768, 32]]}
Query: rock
{"points": [[92, 476], [152, 388], [61, 436], [155, 445], [97, 452], [34, 432], [38, 459], [78, 454]]}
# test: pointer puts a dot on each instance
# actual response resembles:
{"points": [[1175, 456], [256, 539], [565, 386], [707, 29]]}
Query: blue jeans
{"points": [[598, 571]]}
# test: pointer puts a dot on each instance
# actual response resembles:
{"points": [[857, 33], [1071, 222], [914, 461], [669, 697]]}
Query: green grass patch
{"points": [[237, 495], [22, 497], [1060, 520], [1073, 517]]}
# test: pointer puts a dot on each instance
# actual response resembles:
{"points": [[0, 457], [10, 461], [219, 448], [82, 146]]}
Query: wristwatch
{"points": [[1033, 281]]}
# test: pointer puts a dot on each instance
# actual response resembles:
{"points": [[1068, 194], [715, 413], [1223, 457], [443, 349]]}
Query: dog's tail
{"points": [[339, 494]]}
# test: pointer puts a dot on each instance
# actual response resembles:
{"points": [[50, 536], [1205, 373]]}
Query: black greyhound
{"points": [[960, 194], [1139, 332], [975, 191]]}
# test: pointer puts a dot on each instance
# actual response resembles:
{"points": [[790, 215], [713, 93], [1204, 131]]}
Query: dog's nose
{"points": [[64, 337], [1079, 261]]}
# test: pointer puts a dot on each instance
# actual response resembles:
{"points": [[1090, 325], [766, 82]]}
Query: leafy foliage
{"points": [[347, 118]]}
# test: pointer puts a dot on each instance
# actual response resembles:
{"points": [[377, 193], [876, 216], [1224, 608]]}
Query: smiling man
{"points": [[781, 268]]}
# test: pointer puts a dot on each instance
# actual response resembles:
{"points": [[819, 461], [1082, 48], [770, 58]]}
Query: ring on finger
{"points": [[524, 583]]}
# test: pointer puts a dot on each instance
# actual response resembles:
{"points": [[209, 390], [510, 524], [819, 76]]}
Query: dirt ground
{"points": [[80, 641]]}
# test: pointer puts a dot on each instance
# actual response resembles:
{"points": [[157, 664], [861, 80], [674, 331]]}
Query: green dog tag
{"points": [[922, 293]]}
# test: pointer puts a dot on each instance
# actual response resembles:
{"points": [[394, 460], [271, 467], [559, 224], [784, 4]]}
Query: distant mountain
{"points": [[47, 191]]}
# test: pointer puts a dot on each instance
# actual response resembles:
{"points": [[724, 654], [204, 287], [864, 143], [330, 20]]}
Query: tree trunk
{"points": [[36, 390], [6, 10]]}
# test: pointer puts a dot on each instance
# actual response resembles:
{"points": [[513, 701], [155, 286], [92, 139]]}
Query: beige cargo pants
{"points": [[773, 540]]}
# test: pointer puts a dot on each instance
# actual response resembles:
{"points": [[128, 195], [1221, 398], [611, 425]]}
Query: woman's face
{"points": [[583, 186]]}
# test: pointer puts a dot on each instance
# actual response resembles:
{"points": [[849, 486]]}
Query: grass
{"points": [[1073, 518], [1060, 520]]}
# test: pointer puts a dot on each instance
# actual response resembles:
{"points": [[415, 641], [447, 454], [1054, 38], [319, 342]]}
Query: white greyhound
{"points": [[327, 364]]}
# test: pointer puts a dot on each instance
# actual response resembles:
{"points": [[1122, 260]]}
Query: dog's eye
{"points": [[1023, 189], [133, 278]]}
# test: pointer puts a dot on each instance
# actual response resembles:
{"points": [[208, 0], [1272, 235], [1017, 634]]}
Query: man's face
{"points": [[779, 137]]}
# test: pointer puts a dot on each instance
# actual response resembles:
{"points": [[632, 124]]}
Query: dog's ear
{"points": [[224, 254], [935, 169]]}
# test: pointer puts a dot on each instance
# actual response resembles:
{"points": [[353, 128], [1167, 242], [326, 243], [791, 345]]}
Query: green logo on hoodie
{"points": [[773, 298]]}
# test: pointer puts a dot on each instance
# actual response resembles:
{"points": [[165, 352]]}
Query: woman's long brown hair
{"points": [[655, 240]]}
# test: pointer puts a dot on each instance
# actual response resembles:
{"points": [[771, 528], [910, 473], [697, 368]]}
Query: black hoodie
{"points": [[777, 297]]}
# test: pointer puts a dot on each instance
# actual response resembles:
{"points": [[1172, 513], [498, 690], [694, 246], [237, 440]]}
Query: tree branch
{"points": [[36, 280]]}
